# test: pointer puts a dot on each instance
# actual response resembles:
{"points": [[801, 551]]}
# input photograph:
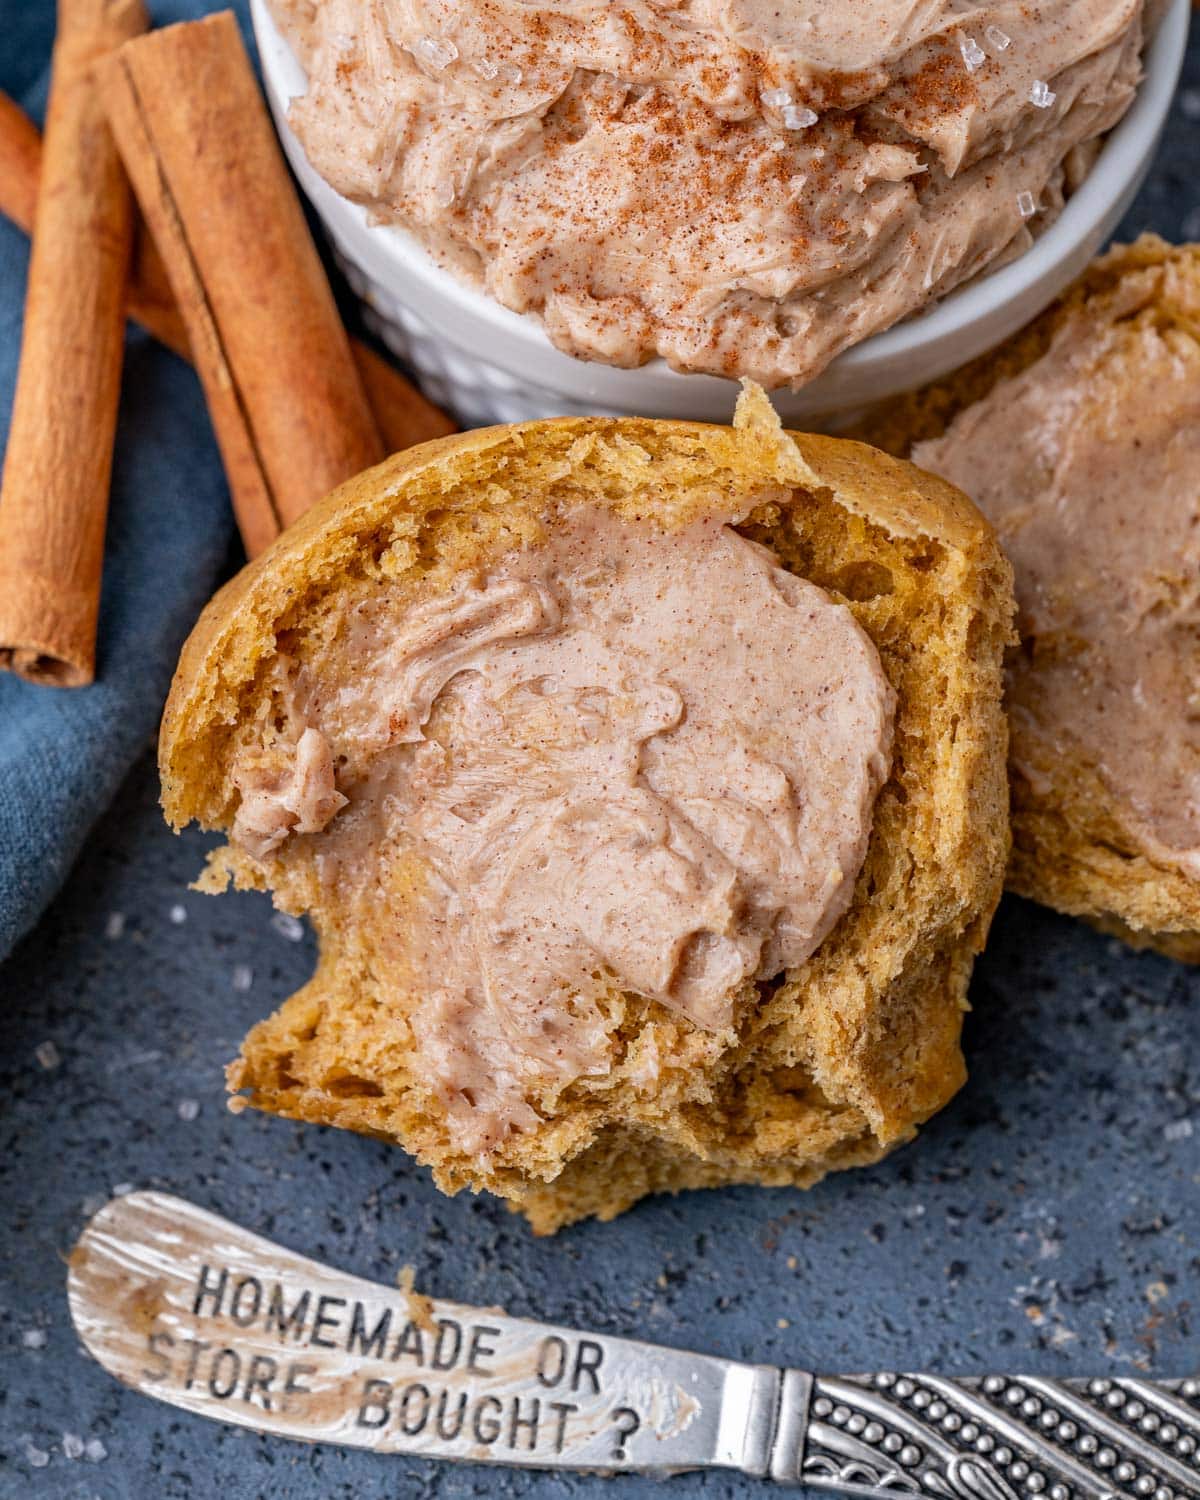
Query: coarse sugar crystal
{"points": [[439, 52], [973, 55], [798, 117]]}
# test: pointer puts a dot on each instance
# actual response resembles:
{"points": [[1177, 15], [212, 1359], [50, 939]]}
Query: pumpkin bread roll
{"points": [[644, 782], [1080, 440]]}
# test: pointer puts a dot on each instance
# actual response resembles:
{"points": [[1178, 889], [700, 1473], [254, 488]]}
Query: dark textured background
{"points": [[1048, 1220]]}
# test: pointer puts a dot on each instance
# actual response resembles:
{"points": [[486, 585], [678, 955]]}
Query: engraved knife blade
{"points": [[189, 1308]]}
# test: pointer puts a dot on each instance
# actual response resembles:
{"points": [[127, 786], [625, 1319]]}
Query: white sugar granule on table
{"points": [[35, 1457], [288, 926], [47, 1055]]}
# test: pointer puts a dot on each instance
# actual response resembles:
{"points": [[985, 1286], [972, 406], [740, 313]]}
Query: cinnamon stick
{"points": [[286, 400], [20, 164], [289, 410], [404, 417], [54, 498]]}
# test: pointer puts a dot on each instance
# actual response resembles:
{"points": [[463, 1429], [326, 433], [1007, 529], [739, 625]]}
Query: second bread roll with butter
{"points": [[645, 784], [1080, 439]]}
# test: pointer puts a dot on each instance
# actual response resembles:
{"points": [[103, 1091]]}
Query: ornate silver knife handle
{"points": [[187, 1307]]}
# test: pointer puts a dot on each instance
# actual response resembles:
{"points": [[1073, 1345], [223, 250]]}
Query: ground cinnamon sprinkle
{"points": [[940, 87]]}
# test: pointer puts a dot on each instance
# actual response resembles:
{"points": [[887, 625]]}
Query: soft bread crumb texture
{"points": [[1075, 845], [829, 1065]]}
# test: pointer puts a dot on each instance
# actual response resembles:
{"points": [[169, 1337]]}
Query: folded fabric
{"points": [[65, 751]]}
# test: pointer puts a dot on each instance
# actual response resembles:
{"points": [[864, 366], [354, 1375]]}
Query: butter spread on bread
{"points": [[1088, 465], [605, 779]]}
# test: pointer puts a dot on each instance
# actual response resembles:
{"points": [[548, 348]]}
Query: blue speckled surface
{"points": [[1048, 1220]]}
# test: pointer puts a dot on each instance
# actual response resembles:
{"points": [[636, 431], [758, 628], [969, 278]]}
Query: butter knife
{"points": [[193, 1310]]}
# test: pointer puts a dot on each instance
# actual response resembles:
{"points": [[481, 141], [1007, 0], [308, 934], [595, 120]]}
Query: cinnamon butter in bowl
{"points": [[622, 208]]}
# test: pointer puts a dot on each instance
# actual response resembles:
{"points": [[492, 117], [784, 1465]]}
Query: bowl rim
{"points": [[1119, 162]]}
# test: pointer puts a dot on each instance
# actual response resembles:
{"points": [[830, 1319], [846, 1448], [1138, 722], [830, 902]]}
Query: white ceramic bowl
{"points": [[488, 364]]}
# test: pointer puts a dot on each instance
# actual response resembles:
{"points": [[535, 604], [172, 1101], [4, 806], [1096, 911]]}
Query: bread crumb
{"points": [[420, 1307]]}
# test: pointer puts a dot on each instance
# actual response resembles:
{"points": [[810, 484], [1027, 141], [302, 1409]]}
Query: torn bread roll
{"points": [[645, 784], [1080, 440]]}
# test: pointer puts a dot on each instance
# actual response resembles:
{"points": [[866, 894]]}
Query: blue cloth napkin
{"points": [[64, 752]]}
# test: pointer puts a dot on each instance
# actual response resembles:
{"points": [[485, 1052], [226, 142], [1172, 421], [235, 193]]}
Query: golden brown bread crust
{"points": [[1073, 847], [833, 1063]]}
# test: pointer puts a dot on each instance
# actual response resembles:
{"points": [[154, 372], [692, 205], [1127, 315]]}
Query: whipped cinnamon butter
{"points": [[624, 760], [741, 187], [1088, 464]]}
